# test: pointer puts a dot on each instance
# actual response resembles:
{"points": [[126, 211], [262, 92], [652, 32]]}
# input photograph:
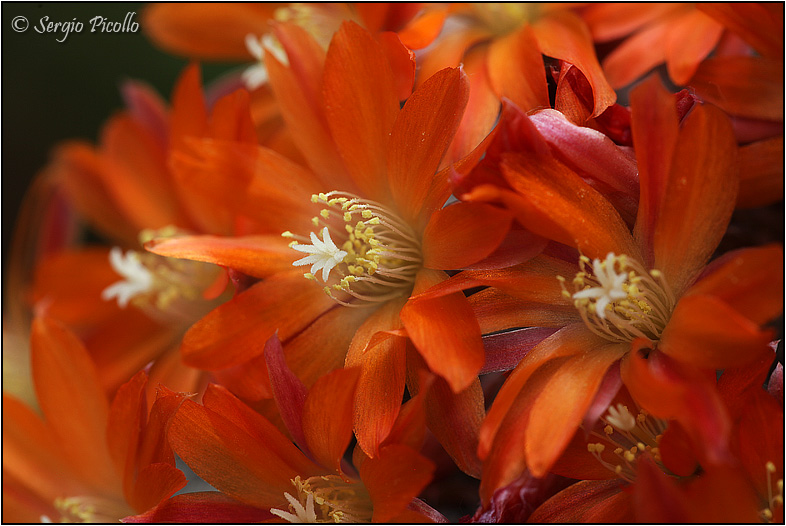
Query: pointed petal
{"points": [[445, 332], [559, 205], [361, 105], [761, 182], [126, 419], [380, 387], [155, 483], [258, 256], [637, 55], [327, 416], [701, 189], [72, 400], [706, 332], [690, 40], [288, 391], [758, 26], [420, 137], [228, 458], [655, 129]]}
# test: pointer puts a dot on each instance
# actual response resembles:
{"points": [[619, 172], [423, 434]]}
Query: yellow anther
{"points": [[309, 276], [366, 214], [347, 216], [287, 234], [767, 514], [641, 446], [630, 457], [315, 221], [314, 198], [599, 448], [608, 430], [591, 448], [325, 213], [374, 221], [770, 467], [618, 469], [292, 244]]}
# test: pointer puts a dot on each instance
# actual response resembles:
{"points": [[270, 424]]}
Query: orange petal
{"points": [[423, 29], [559, 205], [71, 398], [496, 311], [402, 63], [221, 401], [638, 54], [297, 90], [748, 280], [210, 30], [760, 27], [258, 256], [515, 68], [610, 21], [228, 458], [288, 391], [420, 137], [462, 234], [361, 105], [445, 332], [743, 86], [562, 403], [155, 483], [448, 51], [126, 418], [690, 40], [761, 182], [237, 330], [698, 198], [568, 341], [327, 416], [655, 130], [453, 418], [380, 387], [563, 35], [706, 332], [394, 478], [189, 114], [230, 118]]}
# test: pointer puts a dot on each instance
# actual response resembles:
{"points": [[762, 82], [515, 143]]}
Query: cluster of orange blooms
{"points": [[408, 255]]}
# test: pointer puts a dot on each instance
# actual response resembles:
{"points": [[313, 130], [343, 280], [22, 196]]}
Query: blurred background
{"points": [[53, 90]]}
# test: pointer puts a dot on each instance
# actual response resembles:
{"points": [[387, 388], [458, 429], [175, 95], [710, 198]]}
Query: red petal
{"points": [[588, 501], [761, 182], [288, 391], [202, 507], [155, 483]]}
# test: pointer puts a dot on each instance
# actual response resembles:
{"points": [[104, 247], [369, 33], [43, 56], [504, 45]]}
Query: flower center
{"points": [[619, 300], [375, 254], [326, 499], [630, 437], [156, 283], [89, 509]]}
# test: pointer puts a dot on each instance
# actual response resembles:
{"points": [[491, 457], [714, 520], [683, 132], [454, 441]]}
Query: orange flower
{"points": [[86, 461], [367, 219], [641, 468], [245, 457], [632, 291], [131, 307]]}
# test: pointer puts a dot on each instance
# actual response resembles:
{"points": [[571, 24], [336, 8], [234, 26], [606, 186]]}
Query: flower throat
{"points": [[375, 254]]}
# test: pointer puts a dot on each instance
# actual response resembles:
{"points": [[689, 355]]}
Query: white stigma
{"points": [[324, 254], [610, 282], [138, 278], [257, 75], [621, 418], [302, 514]]}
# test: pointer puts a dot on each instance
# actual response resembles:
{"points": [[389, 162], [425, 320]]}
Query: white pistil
{"points": [[610, 289], [302, 514], [138, 278], [257, 75], [621, 418], [324, 254]]}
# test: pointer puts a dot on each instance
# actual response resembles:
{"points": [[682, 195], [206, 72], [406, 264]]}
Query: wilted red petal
{"points": [[588, 501], [202, 507]]}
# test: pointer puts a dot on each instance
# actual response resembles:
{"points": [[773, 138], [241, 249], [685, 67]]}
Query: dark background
{"points": [[53, 91]]}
